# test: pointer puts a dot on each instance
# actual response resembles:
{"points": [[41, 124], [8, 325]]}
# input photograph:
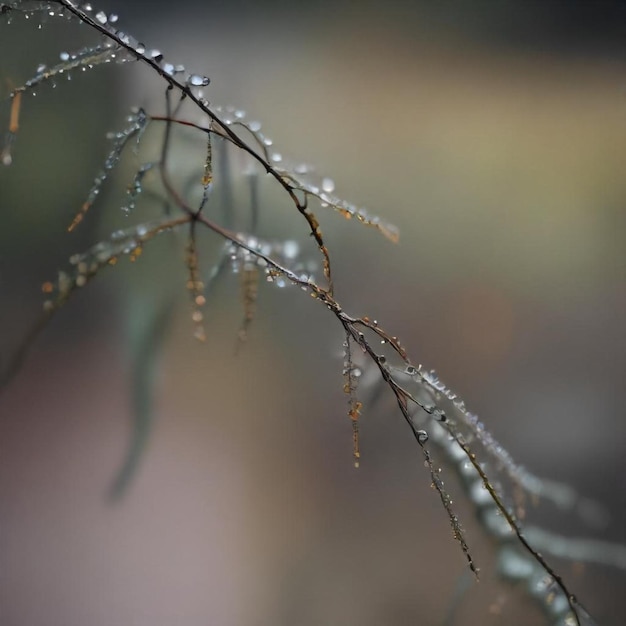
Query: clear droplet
{"points": [[195, 80], [291, 249], [328, 185], [101, 17], [422, 437]]}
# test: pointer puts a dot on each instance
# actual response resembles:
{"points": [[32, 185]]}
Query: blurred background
{"points": [[493, 134]]}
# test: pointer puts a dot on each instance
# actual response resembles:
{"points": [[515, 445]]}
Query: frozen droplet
{"points": [[64, 56], [156, 55], [113, 18], [328, 185], [411, 370], [195, 80], [140, 48], [168, 68], [101, 17], [41, 68], [255, 126], [422, 437], [277, 157]]}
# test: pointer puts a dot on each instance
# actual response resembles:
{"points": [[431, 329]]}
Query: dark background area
{"points": [[493, 134]]}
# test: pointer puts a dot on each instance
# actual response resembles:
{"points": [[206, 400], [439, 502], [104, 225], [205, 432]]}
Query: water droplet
{"points": [[113, 18], [255, 126], [277, 157], [64, 56], [101, 17], [291, 249], [328, 185], [422, 437], [410, 370], [439, 415], [195, 80], [168, 68]]}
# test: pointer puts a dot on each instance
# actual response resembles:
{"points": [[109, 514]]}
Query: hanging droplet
{"points": [[195, 80]]}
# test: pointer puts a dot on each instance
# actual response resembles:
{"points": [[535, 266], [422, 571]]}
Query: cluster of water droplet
{"points": [[285, 253], [137, 122], [33, 11], [444, 405], [324, 194], [138, 50], [135, 188], [85, 266], [117, 45]]}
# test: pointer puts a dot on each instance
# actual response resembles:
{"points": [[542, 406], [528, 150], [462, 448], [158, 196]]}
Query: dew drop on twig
{"points": [[196, 80], [422, 437]]}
